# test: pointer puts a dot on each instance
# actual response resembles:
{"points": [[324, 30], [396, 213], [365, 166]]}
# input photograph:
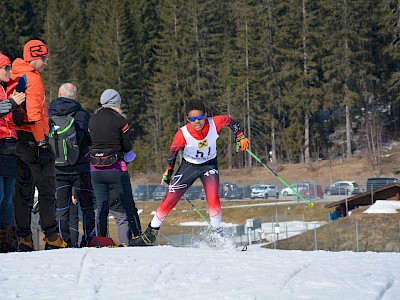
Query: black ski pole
{"points": [[311, 204]]}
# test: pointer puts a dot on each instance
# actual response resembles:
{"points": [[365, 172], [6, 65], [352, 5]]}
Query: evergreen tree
{"points": [[20, 21], [347, 64], [108, 41], [389, 17], [67, 43], [266, 106]]}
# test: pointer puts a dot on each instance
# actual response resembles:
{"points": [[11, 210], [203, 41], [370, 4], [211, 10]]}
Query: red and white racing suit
{"points": [[199, 161]]}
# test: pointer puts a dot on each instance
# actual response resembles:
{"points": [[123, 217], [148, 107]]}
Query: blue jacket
{"points": [[62, 107]]}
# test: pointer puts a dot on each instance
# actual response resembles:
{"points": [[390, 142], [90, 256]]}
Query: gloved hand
{"points": [[45, 156], [5, 106], [167, 175], [129, 156], [17, 116], [243, 142]]}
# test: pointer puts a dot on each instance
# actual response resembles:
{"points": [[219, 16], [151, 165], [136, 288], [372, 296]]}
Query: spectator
{"points": [[111, 150], [116, 210], [199, 140], [72, 174], [120, 217], [35, 158], [73, 222], [9, 102]]}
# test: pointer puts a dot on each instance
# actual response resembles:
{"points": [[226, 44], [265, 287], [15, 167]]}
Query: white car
{"points": [[264, 191], [298, 187]]}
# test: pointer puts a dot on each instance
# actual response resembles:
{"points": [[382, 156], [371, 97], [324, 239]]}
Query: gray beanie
{"points": [[110, 97]]}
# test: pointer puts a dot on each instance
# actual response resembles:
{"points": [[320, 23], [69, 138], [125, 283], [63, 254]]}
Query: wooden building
{"points": [[387, 192]]}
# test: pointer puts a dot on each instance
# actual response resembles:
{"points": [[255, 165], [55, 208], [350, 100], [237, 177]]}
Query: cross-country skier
{"points": [[199, 140]]}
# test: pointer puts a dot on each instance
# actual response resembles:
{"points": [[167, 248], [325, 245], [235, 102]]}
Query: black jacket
{"points": [[62, 107], [110, 130]]}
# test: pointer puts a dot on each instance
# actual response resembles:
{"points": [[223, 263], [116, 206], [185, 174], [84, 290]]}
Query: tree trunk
{"points": [[348, 131], [230, 141], [306, 138], [305, 74], [248, 161], [273, 142]]}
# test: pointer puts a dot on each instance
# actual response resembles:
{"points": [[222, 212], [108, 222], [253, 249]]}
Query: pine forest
{"points": [[305, 79]]}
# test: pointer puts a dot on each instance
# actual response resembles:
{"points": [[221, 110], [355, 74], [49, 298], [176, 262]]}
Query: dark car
{"points": [[374, 183], [342, 188], [144, 191], [228, 191], [232, 191], [194, 192], [312, 192], [160, 192]]}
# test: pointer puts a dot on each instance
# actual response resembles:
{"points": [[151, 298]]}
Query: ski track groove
{"points": [[293, 275], [81, 267], [387, 287], [83, 274], [163, 270], [344, 283]]}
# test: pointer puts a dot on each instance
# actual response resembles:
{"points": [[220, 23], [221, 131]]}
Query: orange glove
{"points": [[243, 142], [166, 176]]}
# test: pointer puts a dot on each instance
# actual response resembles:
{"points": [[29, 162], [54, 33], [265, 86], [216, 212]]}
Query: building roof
{"points": [[387, 192]]}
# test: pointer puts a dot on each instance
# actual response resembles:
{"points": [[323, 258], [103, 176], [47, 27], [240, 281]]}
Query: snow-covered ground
{"points": [[165, 272], [384, 206]]}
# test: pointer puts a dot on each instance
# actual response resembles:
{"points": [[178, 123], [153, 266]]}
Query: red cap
{"points": [[35, 49], [4, 60]]}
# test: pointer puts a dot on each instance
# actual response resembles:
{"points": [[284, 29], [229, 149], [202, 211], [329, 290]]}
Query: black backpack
{"points": [[64, 140]]}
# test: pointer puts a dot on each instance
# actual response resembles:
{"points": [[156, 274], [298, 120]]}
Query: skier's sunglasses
{"points": [[193, 119], [7, 68]]}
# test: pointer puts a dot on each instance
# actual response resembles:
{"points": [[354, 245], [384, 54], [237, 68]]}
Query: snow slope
{"points": [[164, 272]]}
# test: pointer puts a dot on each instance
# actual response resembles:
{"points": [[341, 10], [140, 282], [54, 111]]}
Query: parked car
{"points": [[193, 192], [264, 191], [144, 191], [228, 191], [232, 191], [298, 187], [160, 192], [342, 188], [247, 191], [202, 194], [374, 183], [312, 192], [221, 192]]}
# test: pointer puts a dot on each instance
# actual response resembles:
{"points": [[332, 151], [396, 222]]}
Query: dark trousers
{"points": [[81, 183], [29, 175], [102, 182], [121, 219], [74, 225]]}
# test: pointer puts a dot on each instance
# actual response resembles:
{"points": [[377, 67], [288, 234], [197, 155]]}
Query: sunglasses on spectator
{"points": [[193, 119], [7, 68], [45, 59]]}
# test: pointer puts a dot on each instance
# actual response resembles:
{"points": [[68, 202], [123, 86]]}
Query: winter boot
{"points": [[25, 244], [145, 239], [11, 238], [54, 242], [3, 241]]}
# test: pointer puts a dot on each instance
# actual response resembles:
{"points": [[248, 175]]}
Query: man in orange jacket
{"points": [[35, 157]]}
